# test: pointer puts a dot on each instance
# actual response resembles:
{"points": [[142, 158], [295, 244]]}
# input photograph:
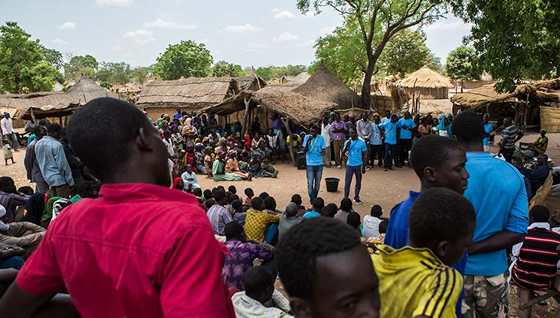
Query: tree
{"points": [[142, 74], [79, 66], [119, 73], [52, 56], [405, 53], [462, 65], [223, 68], [22, 66], [515, 40], [185, 59], [378, 21], [264, 73]]}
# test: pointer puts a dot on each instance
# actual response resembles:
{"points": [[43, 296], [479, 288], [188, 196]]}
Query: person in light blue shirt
{"points": [[497, 192], [438, 162], [356, 151], [53, 163], [318, 205], [390, 131], [387, 117], [406, 124], [314, 148], [487, 129], [376, 143]]}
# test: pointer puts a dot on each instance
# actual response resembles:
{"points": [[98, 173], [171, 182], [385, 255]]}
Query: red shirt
{"points": [[137, 251]]}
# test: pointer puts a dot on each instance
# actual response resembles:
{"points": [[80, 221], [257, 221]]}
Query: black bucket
{"points": [[332, 184]]}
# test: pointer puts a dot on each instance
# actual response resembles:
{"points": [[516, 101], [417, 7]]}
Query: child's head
{"points": [[440, 162], [209, 203], [189, 168], [296, 198], [257, 204], [232, 189], [234, 230], [376, 211], [197, 192], [237, 205], [208, 194], [346, 205], [443, 221], [539, 213], [26, 190], [291, 209], [329, 210], [233, 197], [259, 283], [318, 204], [220, 197], [317, 261], [383, 226], [249, 192], [353, 220], [220, 188], [270, 203], [264, 195]]}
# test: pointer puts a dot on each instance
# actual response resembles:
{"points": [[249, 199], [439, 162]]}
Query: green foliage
{"points": [[22, 66], [119, 73], [52, 56], [405, 53], [106, 84], [264, 72], [80, 66], [185, 59], [515, 40], [223, 68], [462, 64], [370, 25], [270, 72], [142, 74]]}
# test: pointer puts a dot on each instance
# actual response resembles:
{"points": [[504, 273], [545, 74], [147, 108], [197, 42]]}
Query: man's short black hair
{"points": [[468, 127], [383, 226], [236, 204], [233, 197], [353, 219], [219, 196], [197, 192], [257, 203], [318, 204], [264, 195], [270, 203], [431, 151], [440, 214], [329, 210], [208, 194], [209, 203], [376, 211], [233, 230], [55, 128], [539, 213], [299, 247], [232, 189], [296, 198], [249, 192], [26, 190], [346, 204], [103, 131], [257, 279]]}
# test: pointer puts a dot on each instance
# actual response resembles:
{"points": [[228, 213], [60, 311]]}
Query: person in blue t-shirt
{"points": [[314, 149], [356, 151], [438, 162], [406, 124], [390, 132], [497, 192], [487, 130]]}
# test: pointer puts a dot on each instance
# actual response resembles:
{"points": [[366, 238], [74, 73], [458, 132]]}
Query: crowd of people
{"points": [[118, 228]]}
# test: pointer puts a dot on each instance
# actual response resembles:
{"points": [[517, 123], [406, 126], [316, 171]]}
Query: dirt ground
{"points": [[378, 187]]}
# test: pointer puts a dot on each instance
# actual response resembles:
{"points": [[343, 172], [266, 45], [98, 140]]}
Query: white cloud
{"points": [[327, 30], [59, 41], [286, 37], [67, 26], [448, 26], [247, 28], [114, 3], [140, 36], [116, 48], [283, 14], [161, 23]]}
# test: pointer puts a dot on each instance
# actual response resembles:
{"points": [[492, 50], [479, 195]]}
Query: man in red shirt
{"points": [[140, 249]]}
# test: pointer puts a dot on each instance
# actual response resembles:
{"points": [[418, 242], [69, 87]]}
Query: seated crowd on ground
{"points": [[121, 225]]}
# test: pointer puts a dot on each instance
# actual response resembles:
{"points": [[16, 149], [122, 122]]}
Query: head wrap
{"points": [[528, 153], [231, 153], [58, 206], [176, 182], [3, 226], [6, 113], [221, 153]]}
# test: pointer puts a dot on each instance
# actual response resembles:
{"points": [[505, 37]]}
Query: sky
{"points": [[246, 32]]}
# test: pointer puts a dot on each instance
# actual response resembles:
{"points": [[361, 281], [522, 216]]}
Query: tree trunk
{"points": [[462, 85], [366, 88]]}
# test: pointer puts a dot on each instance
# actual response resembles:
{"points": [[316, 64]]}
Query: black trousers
{"points": [[376, 150], [404, 147]]}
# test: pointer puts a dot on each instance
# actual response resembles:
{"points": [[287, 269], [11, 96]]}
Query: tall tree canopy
{"points": [[462, 64], [515, 40], [22, 65], [79, 66], [405, 53], [378, 21], [115, 73], [185, 59], [142, 74], [223, 68], [271, 72]]}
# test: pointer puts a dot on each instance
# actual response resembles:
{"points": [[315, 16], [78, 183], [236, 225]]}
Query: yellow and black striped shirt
{"points": [[414, 282]]}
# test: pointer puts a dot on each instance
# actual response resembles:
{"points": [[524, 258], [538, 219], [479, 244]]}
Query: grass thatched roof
{"points": [[486, 95], [325, 86], [426, 78], [54, 104]]}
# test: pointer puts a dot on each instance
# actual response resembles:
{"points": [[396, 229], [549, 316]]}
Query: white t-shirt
{"points": [[7, 127], [371, 226]]}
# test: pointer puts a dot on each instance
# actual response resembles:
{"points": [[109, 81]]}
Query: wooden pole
{"points": [[247, 102], [290, 144], [33, 117]]}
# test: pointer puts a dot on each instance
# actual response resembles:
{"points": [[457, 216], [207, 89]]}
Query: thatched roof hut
{"points": [[427, 84], [325, 86], [486, 96]]}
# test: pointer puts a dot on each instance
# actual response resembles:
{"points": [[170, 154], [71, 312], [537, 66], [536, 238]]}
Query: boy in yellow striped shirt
{"points": [[416, 280]]}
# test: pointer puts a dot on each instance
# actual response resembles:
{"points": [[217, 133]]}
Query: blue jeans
{"points": [[314, 174], [350, 171], [12, 262], [390, 154]]}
